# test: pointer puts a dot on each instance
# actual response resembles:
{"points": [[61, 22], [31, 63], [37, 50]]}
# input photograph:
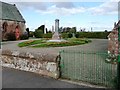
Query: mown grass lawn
{"points": [[44, 43]]}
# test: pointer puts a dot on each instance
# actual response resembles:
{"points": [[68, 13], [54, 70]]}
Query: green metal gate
{"points": [[88, 67]]}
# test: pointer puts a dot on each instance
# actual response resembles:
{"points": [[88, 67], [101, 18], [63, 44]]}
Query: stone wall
{"points": [[8, 26], [113, 43], [43, 64]]}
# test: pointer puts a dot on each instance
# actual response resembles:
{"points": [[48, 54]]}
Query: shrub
{"points": [[47, 35], [77, 35], [11, 36], [64, 35], [27, 29], [31, 34], [100, 35], [38, 33], [24, 37], [69, 35]]}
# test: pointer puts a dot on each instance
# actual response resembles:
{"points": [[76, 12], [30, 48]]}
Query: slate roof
{"points": [[10, 12]]}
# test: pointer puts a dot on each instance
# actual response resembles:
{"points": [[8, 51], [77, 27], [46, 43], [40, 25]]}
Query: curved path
{"points": [[95, 45]]}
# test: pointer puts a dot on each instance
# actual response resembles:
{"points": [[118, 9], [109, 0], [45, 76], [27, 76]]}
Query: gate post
{"points": [[118, 65]]}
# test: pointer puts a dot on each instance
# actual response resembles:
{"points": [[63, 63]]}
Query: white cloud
{"points": [[68, 8], [64, 5], [62, 11], [31, 5], [110, 7], [59, 8]]}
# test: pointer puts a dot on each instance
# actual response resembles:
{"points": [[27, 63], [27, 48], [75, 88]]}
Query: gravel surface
{"points": [[95, 45]]}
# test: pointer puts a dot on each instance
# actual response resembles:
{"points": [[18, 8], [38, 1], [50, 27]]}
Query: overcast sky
{"points": [[98, 15]]}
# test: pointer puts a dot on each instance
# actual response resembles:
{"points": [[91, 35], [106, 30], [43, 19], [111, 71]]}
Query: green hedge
{"points": [[38, 34], [64, 35], [47, 35], [99, 35], [31, 34]]}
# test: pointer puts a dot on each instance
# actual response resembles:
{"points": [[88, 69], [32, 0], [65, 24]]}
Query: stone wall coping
{"points": [[38, 56]]}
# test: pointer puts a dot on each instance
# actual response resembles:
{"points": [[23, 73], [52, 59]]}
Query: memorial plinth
{"points": [[56, 36]]}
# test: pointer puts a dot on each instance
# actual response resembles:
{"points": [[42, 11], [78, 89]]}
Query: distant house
{"points": [[113, 40], [11, 21]]}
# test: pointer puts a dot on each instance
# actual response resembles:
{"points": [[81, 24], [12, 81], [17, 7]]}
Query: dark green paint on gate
{"points": [[88, 67]]}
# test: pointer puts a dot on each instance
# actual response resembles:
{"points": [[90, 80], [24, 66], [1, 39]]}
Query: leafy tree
{"points": [[73, 30], [61, 29], [70, 35], [41, 28], [38, 33], [106, 31], [46, 30], [28, 32], [66, 30], [31, 34]]}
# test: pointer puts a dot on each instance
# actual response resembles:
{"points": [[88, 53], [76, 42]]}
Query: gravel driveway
{"points": [[95, 45]]}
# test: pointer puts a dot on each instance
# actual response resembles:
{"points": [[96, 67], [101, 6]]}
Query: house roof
{"points": [[10, 12]]}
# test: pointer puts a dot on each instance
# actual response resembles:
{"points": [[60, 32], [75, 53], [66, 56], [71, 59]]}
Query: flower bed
{"points": [[44, 43]]}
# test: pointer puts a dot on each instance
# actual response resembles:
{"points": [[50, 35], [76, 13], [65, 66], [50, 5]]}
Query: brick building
{"points": [[11, 21]]}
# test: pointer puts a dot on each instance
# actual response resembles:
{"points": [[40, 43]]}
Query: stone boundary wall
{"points": [[43, 64]]}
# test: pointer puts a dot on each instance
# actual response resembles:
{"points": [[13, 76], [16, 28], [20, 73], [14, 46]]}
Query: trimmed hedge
{"points": [[99, 35], [64, 35], [47, 35]]}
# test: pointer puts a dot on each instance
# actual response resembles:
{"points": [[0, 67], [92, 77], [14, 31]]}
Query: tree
{"points": [[38, 33], [41, 28], [27, 29], [106, 31], [66, 30], [46, 30], [73, 30], [61, 29], [31, 33]]}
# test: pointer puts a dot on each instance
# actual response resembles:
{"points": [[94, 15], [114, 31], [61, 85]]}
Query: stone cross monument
{"points": [[56, 35], [57, 25]]}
